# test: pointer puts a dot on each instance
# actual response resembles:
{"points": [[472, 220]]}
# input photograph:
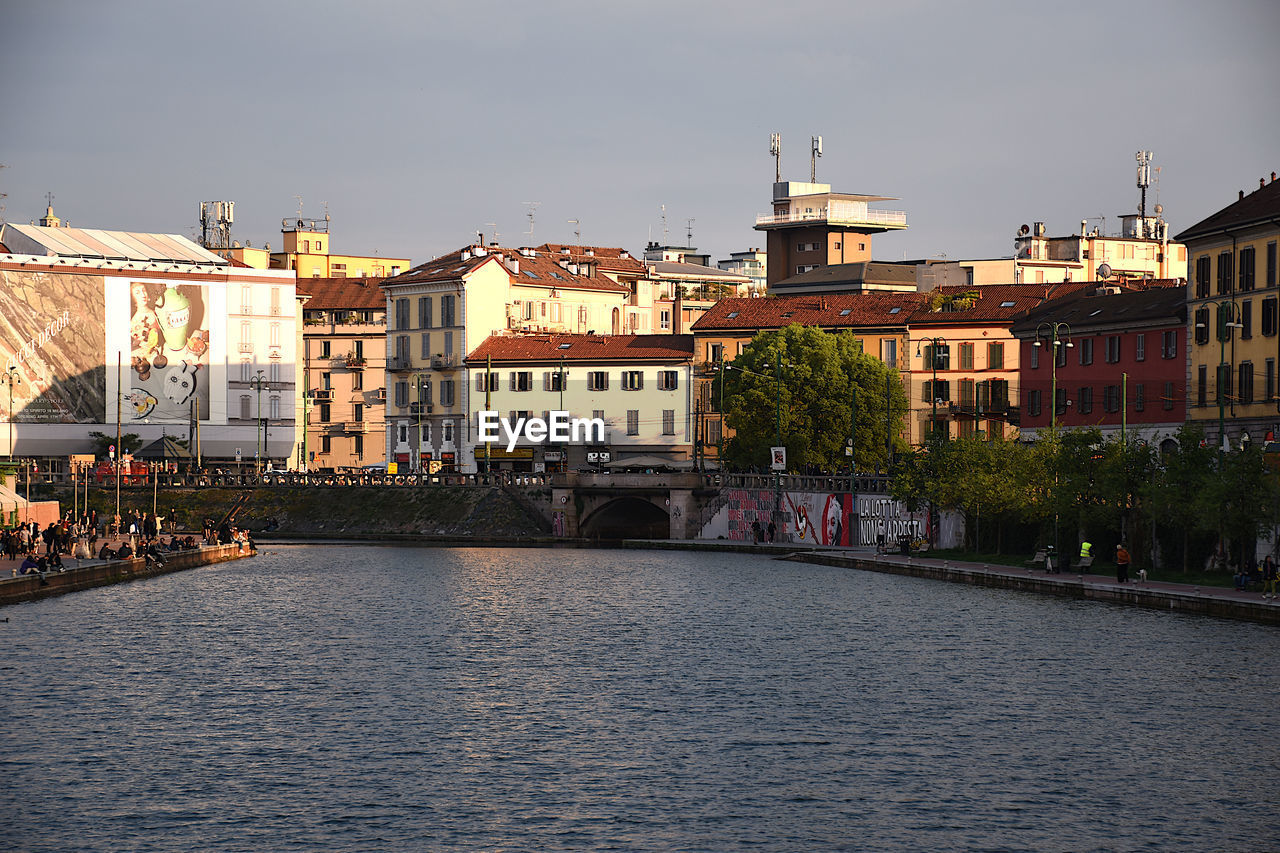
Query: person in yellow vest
{"points": [[1086, 554]]}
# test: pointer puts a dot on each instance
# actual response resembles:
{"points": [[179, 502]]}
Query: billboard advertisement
{"points": [[168, 379], [53, 345]]}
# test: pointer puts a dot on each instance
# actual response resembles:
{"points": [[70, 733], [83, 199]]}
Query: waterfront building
{"points": [[637, 386], [344, 361], [1232, 293], [148, 331], [440, 310], [1107, 357]]}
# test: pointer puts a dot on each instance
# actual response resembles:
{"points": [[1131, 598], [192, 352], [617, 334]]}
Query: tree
{"points": [[799, 384], [1176, 493], [129, 442]]}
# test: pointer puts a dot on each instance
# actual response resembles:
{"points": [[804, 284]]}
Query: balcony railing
{"points": [[399, 362], [354, 426], [444, 362], [873, 218], [420, 408], [322, 395], [355, 362]]}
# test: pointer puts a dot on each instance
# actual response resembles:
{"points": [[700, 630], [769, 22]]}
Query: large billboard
{"points": [[53, 343], [168, 350]]}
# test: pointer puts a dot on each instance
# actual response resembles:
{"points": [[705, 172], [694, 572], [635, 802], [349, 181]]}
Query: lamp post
{"points": [[1059, 334], [257, 382], [417, 381], [11, 378], [937, 348], [1225, 326]]}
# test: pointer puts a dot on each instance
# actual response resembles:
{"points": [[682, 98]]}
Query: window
{"points": [[668, 380], [1084, 400], [715, 352], [1203, 264], [402, 313], [1060, 402], [326, 381], [1202, 325], [1248, 265], [668, 421], [1225, 273], [448, 343], [1140, 347], [998, 395], [1169, 344], [1033, 402], [1269, 317], [939, 360], [357, 412], [553, 380], [246, 299], [448, 432], [1060, 349], [273, 371], [598, 380], [889, 352], [426, 345], [487, 381], [275, 334], [1111, 398], [1035, 356], [937, 392], [664, 319], [246, 370], [325, 413], [1224, 383], [1246, 319], [357, 442], [1086, 351], [424, 312], [632, 380], [804, 268], [995, 356], [326, 443], [1202, 381], [966, 356], [520, 380], [968, 393], [1271, 265], [1269, 381], [326, 350], [447, 310], [357, 380], [1113, 349], [402, 394], [1245, 386], [244, 407], [1139, 397], [447, 392], [633, 421]]}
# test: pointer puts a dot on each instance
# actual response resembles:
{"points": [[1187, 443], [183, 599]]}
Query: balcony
{"points": [[399, 363], [322, 395], [246, 346], [354, 426], [853, 217], [381, 394], [420, 408], [444, 362], [355, 362]]}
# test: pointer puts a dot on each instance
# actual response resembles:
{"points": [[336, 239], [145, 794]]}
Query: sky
{"points": [[417, 124]]}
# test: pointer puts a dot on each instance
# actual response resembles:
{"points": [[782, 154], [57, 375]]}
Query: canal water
{"points": [[338, 698]]}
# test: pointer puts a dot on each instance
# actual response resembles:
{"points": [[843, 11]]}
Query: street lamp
{"points": [[417, 381], [938, 348], [11, 378], [257, 382], [1059, 334], [1225, 326]]}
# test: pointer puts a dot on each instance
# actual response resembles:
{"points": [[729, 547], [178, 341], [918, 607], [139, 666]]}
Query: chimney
{"points": [[1241, 195]]}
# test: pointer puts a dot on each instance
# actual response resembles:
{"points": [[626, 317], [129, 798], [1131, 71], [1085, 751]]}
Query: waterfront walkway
{"points": [[1225, 602]]}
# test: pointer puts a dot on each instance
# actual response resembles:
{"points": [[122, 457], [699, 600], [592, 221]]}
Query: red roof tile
{"points": [[538, 270], [353, 294], [502, 348], [829, 311]]}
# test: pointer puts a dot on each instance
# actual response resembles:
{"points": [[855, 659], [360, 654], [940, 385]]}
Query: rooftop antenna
{"points": [[325, 205], [577, 234], [815, 153], [497, 238], [1144, 181], [775, 150], [533, 207], [664, 225], [688, 244], [299, 198]]}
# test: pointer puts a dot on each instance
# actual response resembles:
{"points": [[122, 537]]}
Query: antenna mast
{"points": [[689, 233], [775, 150], [497, 238], [533, 207], [577, 233], [815, 151], [664, 225], [1144, 181]]}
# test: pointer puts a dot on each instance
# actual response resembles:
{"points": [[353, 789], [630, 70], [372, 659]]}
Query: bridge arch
{"points": [[629, 518]]}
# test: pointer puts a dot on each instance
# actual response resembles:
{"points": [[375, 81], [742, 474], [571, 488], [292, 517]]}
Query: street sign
{"points": [[779, 456], [237, 454]]}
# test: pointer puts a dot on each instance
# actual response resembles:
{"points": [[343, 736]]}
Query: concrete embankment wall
{"points": [[30, 587], [1190, 600]]}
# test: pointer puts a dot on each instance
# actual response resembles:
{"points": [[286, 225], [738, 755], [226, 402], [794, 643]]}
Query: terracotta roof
{"points": [[580, 348], [356, 294], [829, 311], [995, 303], [534, 271], [1261, 205], [604, 257]]}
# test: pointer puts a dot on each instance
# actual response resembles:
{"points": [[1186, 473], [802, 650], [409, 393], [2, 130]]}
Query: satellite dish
{"points": [[1024, 230], [1159, 209], [1104, 271]]}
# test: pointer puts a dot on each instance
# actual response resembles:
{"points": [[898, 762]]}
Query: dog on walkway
{"points": [[1142, 575]]}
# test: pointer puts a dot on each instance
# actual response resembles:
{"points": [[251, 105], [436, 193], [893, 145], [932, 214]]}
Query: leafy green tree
{"points": [[800, 382], [1244, 498], [129, 443], [1176, 495]]}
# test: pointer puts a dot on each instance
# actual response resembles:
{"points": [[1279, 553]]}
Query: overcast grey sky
{"points": [[420, 123]]}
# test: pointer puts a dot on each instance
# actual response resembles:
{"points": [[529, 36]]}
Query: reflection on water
{"points": [[351, 698]]}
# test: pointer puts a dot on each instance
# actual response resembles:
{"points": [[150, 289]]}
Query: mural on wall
{"points": [[53, 335], [880, 516], [169, 351], [822, 519]]}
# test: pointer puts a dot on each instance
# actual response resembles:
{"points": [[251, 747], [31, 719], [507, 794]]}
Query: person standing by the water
{"points": [[1269, 573], [1122, 564]]}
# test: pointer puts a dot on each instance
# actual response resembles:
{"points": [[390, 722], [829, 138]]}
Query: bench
{"points": [[1037, 560], [1084, 562]]}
